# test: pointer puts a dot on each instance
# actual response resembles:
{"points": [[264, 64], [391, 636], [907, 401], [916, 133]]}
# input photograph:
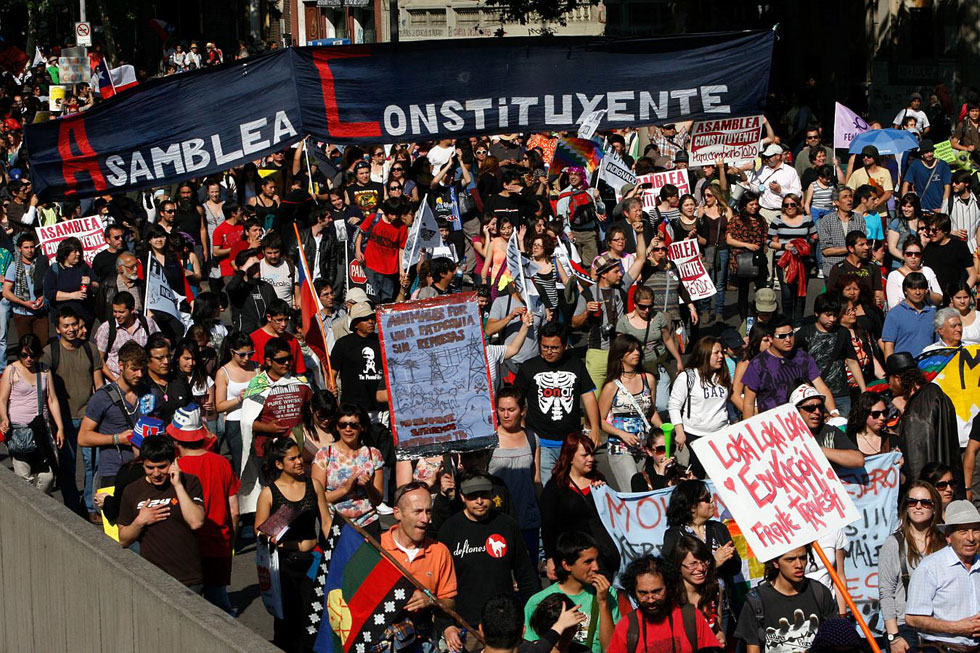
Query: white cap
{"points": [[771, 150], [803, 393]]}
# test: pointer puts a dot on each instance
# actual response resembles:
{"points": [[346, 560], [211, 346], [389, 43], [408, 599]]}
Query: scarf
{"points": [[21, 289]]}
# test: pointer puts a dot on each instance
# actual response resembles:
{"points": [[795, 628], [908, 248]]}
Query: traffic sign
{"points": [[83, 33]]}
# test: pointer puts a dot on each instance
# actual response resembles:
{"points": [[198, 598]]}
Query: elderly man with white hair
{"points": [[949, 327]]}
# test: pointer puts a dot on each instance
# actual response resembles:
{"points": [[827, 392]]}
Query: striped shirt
{"points": [[786, 232], [823, 197], [832, 233]]}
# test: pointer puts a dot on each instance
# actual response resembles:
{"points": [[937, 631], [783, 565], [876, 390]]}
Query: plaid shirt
{"points": [[670, 146], [832, 233]]}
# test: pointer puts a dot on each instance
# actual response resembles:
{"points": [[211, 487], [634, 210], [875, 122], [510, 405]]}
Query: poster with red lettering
{"points": [[775, 480], [89, 230], [654, 181], [687, 256], [437, 376]]}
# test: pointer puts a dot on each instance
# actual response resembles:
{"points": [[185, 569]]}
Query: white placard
{"points": [[734, 140]]}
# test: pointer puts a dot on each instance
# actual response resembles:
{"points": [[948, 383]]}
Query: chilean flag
{"points": [[162, 28], [313, 329], [115, 80]]}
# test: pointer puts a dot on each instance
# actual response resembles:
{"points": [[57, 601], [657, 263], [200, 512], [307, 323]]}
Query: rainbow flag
{"points": [[576, 152]]}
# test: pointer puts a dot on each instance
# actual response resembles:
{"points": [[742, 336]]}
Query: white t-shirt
{"points": [[921, 119], [830, 543], [893, 285], [280, 277]]}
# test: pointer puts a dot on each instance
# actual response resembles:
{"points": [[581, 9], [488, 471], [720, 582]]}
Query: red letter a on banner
{"points": [[72, 164], [335, 125]]}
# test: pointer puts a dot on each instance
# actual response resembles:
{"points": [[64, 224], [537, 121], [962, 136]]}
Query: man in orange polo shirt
{"points": [[426, 559]]}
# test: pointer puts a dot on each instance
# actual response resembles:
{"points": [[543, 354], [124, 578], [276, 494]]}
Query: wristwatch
{"points": [[891, 637]]}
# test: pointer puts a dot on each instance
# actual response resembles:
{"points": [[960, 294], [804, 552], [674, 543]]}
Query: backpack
{"points": [[689, 619], [56, 356], [754, 600], [113, 327], [581, 209]]}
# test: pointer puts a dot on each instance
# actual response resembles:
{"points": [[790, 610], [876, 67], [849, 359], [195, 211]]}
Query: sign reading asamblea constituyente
{"points": [[376, 93]]}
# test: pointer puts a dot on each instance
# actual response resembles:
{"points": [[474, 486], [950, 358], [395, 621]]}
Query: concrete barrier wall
{"points": [[65, 586]]}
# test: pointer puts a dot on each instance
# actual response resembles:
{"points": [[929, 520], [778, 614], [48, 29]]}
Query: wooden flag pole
{"points": [[842, 588], [407, 574]]}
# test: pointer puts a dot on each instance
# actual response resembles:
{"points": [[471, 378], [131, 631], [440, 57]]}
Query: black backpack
{"points": [[689, 619]]}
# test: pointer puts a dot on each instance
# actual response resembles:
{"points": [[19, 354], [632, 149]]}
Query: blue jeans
{"points": [[719, 276], [218, 595], [385, 286], [66, 468], [843, 404], [90, 463], [549, 456]]}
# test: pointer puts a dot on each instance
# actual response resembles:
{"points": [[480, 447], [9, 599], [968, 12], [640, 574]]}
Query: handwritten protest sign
{"points": [[637, 523], [687, 256], [437, 375], [734, 140], [89, 230], [776, 481], [590, 124], [658, 180]]}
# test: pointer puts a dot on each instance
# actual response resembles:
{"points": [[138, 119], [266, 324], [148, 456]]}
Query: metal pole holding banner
{"points": [[842, 588]]}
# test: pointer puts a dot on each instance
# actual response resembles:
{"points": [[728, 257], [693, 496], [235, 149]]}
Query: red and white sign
{"points": [[357, 272], [658, 180], [734, 140], [496, 546], [89, 230], [83, 34], [776, 481], [687, 256]]}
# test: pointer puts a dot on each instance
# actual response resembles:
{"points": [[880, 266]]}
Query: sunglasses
{"points": [[942, 485], [812, 408], [283, 360], [658, 249], [783, 336], [395, 187], [348, 425], [790, 205], [660, 449], [912, 253], [481, 151], [644, 307], [244, 354], [166, 210], [398, 169], [925, 503], [28, 354], [875, 414]]}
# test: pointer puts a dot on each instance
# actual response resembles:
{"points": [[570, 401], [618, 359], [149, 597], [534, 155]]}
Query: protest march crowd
{"points": [[168, 346]]}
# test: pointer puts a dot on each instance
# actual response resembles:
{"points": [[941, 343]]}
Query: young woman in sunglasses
{"points": [[237, 369], [866, 425]]}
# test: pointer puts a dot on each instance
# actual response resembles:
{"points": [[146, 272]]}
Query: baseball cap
{"points": [[926, 145], [474, 485], [803, 393], [772, 150], [915, 96], [765, 300], [360, 165]]}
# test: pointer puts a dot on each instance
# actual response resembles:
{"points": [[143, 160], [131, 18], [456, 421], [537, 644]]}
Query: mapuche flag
{"points": [[363, 594], [313, 330]]}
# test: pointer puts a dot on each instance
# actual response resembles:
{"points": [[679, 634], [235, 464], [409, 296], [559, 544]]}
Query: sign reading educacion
{"points": [[776, 481]]}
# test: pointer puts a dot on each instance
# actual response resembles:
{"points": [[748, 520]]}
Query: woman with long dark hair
{"points": [[567, 503], [747, 233], [866, 425], [912, 249], [236, 371], [696, 567], [548, 273], [188, 363], [352, 473], [940, 476], [288, 485], [918, 535], [759, 341], [906, 223], [855, 293], [517, 461], [700, 395], [865, 348], [207, 313], [318, 417], [626, 408], [961, 297], [690, 511]]}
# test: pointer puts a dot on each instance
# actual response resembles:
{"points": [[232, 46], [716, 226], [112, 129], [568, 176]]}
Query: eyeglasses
{"points": [[244, 354], [925, 503], [283, 360], [783, 336], [348, 425], [644, 307], [697, 564], [942, 485], [912, 254], [875, 414], [812, 408]]}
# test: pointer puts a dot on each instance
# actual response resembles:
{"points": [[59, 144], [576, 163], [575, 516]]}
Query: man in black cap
{"points": [[927, 428], [913, 110], [929, 178], [488, 553]]}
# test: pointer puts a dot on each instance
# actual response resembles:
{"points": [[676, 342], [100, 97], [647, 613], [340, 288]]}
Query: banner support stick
{"points": [[842, 588]]}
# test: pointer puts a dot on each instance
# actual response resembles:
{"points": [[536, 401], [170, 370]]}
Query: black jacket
{"points": [[929, 432], [329, 253], [716, 535], [248, 302], [563, 510]]}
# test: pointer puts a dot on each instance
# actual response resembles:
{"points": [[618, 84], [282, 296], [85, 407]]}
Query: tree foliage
{"points": [[545, 12]]}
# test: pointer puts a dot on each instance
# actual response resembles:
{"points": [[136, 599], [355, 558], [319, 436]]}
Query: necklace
{"points": [[629, 374]]}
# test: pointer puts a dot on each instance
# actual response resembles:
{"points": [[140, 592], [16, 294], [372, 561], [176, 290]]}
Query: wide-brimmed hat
{"points": [[605, 262], [959, 513], [356, 295], [360, 311], [187, 426], [899, 362]]}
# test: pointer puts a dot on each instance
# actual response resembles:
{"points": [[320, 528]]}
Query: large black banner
{"points": [[206, 121]]}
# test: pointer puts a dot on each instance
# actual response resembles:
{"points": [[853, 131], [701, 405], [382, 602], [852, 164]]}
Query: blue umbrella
{"points": [[888, 141]]}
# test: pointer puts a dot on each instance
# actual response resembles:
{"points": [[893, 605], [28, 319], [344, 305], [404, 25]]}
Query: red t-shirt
{"points": [[225, 236], [660, 638], [260, 337], [218, 483], [383, 242]]}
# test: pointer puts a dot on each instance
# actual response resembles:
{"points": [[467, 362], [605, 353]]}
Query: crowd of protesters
{"points": [[511, 536]]}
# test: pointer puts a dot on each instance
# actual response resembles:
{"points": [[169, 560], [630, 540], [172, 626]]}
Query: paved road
{"points": [[244, 590]]}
